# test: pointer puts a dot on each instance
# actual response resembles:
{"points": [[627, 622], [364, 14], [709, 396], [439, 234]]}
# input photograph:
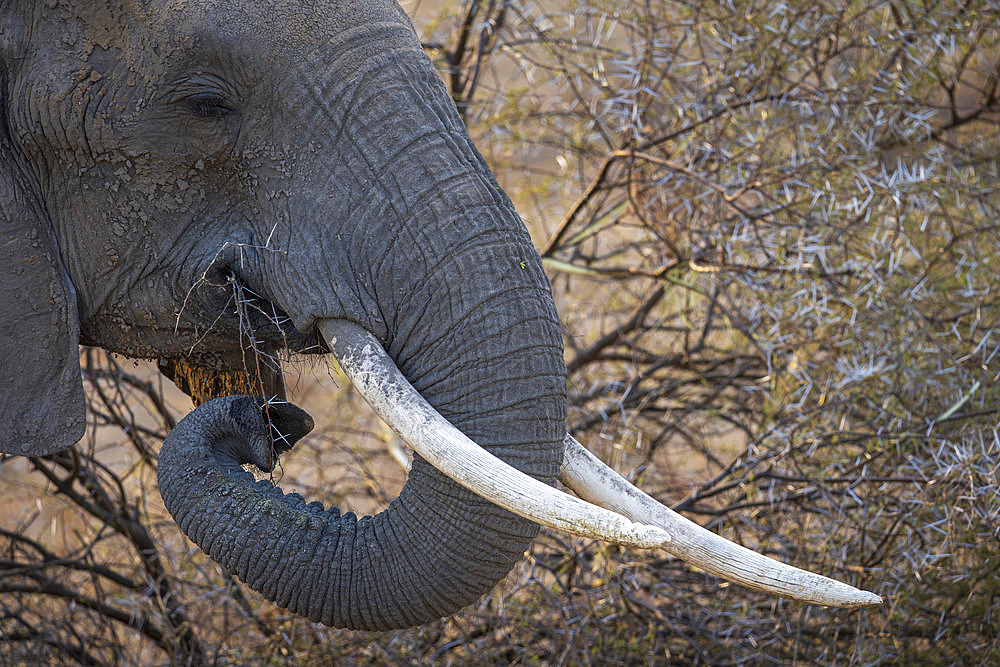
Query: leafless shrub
{"points": [[783, 220]]}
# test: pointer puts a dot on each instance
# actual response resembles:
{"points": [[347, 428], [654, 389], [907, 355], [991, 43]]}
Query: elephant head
{"points": [[174, 174]]}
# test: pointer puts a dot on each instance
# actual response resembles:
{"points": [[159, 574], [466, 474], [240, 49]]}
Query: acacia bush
{"points": [[772, 232]]}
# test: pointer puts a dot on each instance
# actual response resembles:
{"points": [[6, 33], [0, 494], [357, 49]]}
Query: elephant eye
{"points": [[207, 105]]}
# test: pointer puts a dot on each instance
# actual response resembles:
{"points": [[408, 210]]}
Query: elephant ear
{"points": [[42, 408]]}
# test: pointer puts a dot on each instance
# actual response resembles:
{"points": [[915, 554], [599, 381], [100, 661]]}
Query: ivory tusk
{"points": [[394, 399], [592, 480]]}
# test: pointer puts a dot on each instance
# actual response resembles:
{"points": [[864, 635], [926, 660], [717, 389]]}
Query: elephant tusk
{"points": [[394, 399], [620, 512], [592, 480]]}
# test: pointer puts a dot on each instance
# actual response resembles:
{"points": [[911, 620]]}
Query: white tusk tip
{"points": [[596, 482], [869, 599]]}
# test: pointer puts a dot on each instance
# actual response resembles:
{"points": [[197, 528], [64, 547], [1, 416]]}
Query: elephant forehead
{"points": [[254, 40], [267, 28]]}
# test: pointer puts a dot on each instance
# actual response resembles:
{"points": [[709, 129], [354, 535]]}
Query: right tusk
{"points": [[592, 480], [394, 399]]}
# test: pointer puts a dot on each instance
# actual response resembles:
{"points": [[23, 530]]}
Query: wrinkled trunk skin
{"points": [[416, 242], [436, 549]]}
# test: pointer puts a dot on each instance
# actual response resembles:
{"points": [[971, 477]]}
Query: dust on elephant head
{"points": [[174, 174]]}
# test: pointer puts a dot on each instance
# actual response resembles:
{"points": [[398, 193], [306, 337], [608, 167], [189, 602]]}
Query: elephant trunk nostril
{"points": [[289, 424], [247, 429]]}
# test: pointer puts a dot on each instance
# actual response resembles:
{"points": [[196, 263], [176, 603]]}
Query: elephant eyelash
{"points": [[207, 105]]}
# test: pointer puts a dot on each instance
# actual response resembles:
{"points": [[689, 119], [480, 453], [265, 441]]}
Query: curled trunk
{"points": [[436, 549]]}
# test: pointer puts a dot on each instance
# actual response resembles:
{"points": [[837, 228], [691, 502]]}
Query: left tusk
{"points": [[592, 480], [394, 399]]}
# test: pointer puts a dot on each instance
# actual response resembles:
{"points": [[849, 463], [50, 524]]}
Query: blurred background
{"points": [[772, 233]]}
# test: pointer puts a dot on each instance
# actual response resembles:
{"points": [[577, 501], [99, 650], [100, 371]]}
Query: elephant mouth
{"points": [[213, 366], [260, 323], [609, 507]]}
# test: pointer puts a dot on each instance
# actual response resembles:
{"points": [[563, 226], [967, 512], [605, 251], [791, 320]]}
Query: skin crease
{"points": [[305, 158]]}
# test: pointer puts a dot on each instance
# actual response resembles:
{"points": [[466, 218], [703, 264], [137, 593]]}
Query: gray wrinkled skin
{"points": [[156, 156]]}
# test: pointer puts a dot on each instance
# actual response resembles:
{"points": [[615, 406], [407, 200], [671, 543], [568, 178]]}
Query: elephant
{"points": [[173, 173]]}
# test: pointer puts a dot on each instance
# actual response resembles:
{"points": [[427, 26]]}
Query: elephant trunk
{"points": [[494, 370], [438, 547], [415, 242]]}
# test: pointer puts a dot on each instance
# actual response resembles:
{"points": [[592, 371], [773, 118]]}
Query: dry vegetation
{"points": [[773, 234]]}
